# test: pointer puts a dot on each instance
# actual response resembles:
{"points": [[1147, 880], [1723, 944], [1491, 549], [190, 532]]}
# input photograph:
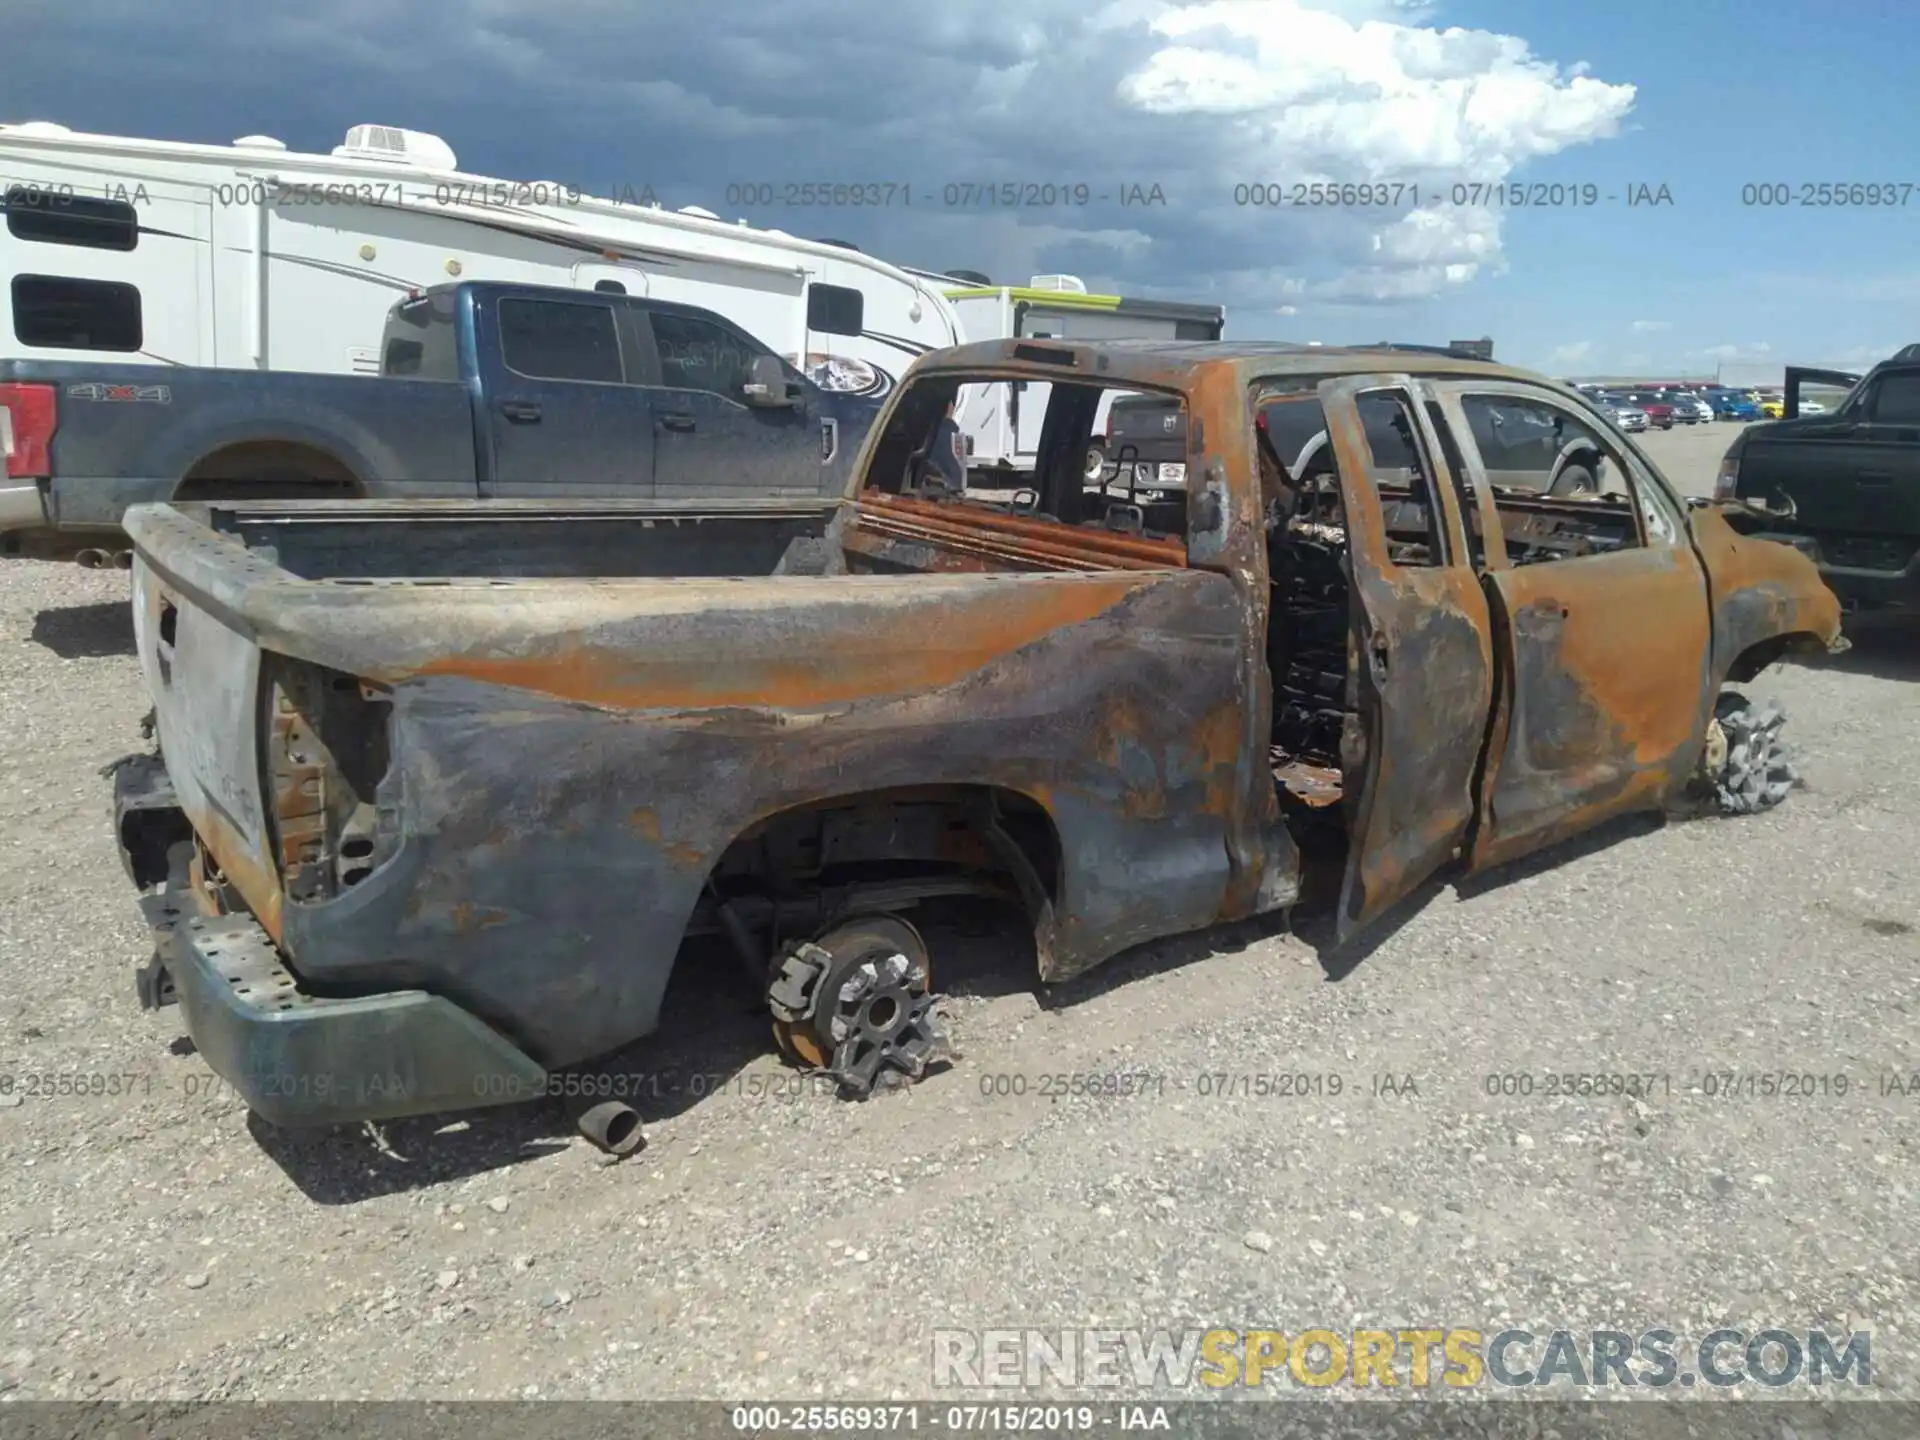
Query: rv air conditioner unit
{"points": [[1065, 284], [396, 146]]}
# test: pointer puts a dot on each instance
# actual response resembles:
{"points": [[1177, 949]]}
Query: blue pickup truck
{"points": [[486, 391]]}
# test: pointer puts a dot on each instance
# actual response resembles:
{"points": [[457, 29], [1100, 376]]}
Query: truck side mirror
{"points": [[767, 384]]}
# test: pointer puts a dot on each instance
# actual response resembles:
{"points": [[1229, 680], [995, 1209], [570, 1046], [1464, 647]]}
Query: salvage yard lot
{"points": [[776, 1243]]}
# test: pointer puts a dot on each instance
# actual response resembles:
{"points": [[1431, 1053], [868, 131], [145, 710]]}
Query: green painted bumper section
{"points": [[301, 1060]]}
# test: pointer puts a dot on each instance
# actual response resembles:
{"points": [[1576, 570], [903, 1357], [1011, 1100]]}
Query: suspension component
{"points": [[857, 1004]]}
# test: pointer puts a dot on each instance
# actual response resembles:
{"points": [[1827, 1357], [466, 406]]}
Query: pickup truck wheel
{"points": [[857, 1005], [1574, 480], [1745, 764]]}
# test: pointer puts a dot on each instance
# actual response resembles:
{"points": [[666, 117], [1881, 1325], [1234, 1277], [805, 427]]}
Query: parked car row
{"points": [[1661, 407]]}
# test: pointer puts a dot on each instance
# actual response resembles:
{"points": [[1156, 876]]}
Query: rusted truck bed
{"points": [[458, 782]]}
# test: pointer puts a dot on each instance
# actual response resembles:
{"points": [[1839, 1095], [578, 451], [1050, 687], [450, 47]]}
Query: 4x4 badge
{"points": [[152, 394]]}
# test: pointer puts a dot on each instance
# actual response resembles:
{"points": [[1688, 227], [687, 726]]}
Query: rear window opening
{"points": [[1105, 458], [421, 340]]}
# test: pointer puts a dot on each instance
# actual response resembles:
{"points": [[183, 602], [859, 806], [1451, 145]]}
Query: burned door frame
{"points": [[1604, 679], [1419, 670]]}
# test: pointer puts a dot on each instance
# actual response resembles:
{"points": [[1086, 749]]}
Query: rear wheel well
{"points": [[796, 870], [267, 470], [1755, 658]]}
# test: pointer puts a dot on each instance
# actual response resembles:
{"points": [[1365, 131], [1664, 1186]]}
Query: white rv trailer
{"points": [[1001, 423], [250, 255]]}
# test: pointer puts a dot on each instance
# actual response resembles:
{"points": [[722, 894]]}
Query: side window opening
{"points": [[57, 312], [697, 354], [836, 309], [1402, 479], [1296, 429], [1561, 486], [61, 218], [1462, 489], [560, 340], [1895, 399]]}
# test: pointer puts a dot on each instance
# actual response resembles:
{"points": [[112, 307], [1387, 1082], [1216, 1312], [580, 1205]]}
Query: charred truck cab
{"points": [[444, 810]]}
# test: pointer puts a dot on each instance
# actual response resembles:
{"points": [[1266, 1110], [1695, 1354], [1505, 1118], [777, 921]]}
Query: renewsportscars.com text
{"points": [[1412, 1358]]}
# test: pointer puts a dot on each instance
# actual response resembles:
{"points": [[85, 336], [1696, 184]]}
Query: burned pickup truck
{"points": [[435, 813]]}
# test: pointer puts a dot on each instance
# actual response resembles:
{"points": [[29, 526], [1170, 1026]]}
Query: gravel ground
{"points": [[1689, 455], [157, 1243]]}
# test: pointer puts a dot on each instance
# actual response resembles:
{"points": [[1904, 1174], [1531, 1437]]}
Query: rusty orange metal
{"points": [[1093, 710], [903, 642]]}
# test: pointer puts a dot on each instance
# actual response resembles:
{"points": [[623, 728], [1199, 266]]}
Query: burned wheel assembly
{"points": [[1744, 764], [857, 1004]]}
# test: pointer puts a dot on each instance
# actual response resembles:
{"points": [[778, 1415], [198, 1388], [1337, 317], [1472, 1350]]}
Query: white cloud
{"points": [[1574, 353], [1302, 93], [1857, 357], [1648, 327], [1752, 350], [1194, 95]]}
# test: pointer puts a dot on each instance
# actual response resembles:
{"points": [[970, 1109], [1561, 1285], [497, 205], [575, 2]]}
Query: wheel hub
{"points": [[856, 1015], [1714, 758], [1754, 772]]}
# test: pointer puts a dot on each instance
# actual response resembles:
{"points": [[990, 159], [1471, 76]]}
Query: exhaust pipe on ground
{"points": [[90, 559], [611, 1125], [123, 559]]}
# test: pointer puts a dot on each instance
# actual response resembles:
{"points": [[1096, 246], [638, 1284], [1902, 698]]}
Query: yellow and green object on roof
{"points": [[1030, 298]]}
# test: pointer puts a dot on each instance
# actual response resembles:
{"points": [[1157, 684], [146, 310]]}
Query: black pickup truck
{"points": [[486, 391], [1844, 483]]}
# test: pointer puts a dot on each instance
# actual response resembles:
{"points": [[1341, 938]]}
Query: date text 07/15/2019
{"points": [[1465, 194], [954, 195]]}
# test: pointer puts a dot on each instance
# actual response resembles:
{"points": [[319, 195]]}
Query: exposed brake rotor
{"points": [[857, 1004], [1713, 758]]}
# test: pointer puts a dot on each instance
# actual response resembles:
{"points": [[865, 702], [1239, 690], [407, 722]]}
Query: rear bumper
{"points": [[1858, 589], [23, 505], [1874, 589], [296, 1058], [300, 1059]]}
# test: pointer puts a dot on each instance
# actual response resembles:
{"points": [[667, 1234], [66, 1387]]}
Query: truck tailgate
{"points": [[201, 664]]}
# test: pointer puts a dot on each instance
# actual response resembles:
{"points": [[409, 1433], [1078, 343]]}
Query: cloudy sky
{"points": [[1183, 103]]}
